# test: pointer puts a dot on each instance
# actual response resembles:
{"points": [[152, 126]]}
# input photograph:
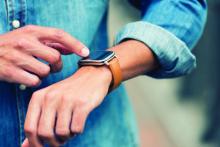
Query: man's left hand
{"points": [[58, 112]]}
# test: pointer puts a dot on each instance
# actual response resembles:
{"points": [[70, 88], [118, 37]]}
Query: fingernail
{"points": [[85, 52], [25, 143]]}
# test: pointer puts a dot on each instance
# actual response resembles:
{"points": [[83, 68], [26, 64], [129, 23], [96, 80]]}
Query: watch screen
{"points": [[99, 55]]}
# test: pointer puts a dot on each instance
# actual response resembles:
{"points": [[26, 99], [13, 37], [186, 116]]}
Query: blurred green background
{"points": [[176, 112]]}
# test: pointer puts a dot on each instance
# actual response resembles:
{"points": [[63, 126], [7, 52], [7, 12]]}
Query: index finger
{"points": [[59, 36]]}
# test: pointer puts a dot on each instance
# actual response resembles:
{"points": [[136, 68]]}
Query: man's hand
{"points": [[59, 111], [20, 48]]}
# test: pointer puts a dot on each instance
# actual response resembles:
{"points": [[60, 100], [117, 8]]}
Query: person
{"points": [[85, 105]]}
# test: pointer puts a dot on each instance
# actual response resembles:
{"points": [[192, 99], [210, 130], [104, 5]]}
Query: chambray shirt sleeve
{"points": [[170, 28]]}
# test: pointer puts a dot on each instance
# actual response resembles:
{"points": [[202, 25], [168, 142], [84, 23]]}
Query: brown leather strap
{"points": [[116, 73]]}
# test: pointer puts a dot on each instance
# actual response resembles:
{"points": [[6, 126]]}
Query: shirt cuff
{"points": [[174, 56]]}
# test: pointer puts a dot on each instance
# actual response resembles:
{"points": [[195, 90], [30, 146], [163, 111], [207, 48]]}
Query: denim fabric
{"points": [[184, 19], [168, 27]]}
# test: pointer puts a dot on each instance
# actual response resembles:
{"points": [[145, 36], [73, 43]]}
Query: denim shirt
{"points": [[169, 27]]}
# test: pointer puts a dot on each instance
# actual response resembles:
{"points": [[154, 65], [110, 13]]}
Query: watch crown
{"points": [[106, 63]]}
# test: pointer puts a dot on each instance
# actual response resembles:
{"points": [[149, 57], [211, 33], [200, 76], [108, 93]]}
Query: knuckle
{"points": [[21, 43], [8, 72], [81, 103], [34, 81], [78, 43], [56, 57], [50, 96], [45, 134], [12, 57], [59, 34], [62, 132], [44, 71], [29, 130], [36, 95], [83, 110], [66, 99], [29, 28], [3, 43], [77, 129]]}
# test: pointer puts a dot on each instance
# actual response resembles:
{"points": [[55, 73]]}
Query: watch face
{"points": [[97, 57]]}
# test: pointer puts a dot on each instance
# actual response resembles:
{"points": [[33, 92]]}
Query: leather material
{"points": [[116, 73]]}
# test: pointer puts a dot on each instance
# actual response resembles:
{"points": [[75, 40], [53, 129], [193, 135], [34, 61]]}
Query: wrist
{"points": [[102, 73], [105, 62], [135, 58]]}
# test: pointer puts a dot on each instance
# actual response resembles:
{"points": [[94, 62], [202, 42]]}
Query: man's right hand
{"points": [[20, 48]]}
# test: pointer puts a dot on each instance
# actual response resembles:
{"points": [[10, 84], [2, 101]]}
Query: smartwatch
{"points": [[104, 58]]}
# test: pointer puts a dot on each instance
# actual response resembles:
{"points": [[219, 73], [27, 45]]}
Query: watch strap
{"points": [[116, 73]]}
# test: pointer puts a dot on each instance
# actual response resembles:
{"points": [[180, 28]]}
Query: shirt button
{"points": [[22, 87], [16, 24]]}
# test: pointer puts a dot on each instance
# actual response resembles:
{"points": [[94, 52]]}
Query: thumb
{"points": [[25, 143]]}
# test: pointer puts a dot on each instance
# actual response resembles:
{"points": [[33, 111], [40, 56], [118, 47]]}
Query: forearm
{"points": [[170, 29], [135, 58]]}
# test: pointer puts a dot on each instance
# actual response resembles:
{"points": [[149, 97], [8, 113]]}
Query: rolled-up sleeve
{"points": [[170, 28]]}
